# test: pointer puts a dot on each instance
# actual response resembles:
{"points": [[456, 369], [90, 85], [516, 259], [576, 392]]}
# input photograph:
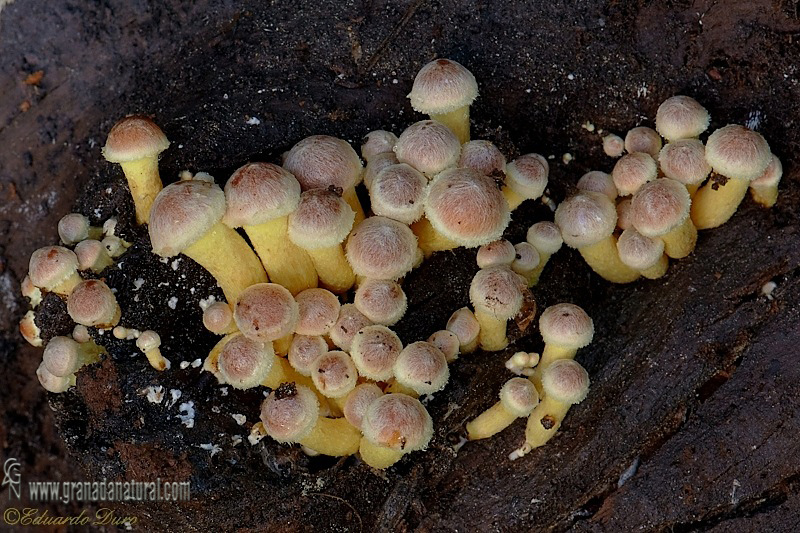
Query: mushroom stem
{"points": [[155, 359], [766, 195], [535, 274], [712, 208], [657, 270], [398, 388], [376, 456], [286, 263], [692, 189], [512, 197], [681, 241], [226, 255], [602, 256], [349, 195], [333, 436], [145, 184], [492, 337], [490, 422], [430, 240], [333, 269], [281, 346], [544, 421], [457, 120]]}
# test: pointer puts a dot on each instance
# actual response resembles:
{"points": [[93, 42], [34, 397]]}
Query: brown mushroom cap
{"points": [[737, 152], [421, 366], [565, 381], [659, 207], [334, 374], [632, 171], [290, 412], [545, 237], [374, 351], [358, 401], [598, 181], [322, 219], [586, 218], [377, 142], [218, 317], [447, 342], [684, 160], [771, 176], [132, 138], [318, 311], [62, 356], [73, 228], [519, 396], [681, 117], [496, 253], [566, 325], [381, 248], [464, 324], [428, 146], [643, 139], [624, 214], [92, 303], [497, 291], [484, 157], [381, 301], [51, 265], [90, 253], [320, 161], [637, 251], [266, 312], [259, 192], [244, 363], [350, 321], [399, 193], [304, 350], [442, 86], [182, 213], [613, 145], [398, 422], [527, 175]]}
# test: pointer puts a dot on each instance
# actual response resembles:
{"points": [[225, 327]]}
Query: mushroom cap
{"points": [[374, 351], [771, 176], [51, 382], [381, 248], [643, 139], [259, 192], [73, 228], [266, 312], [31, 292], [182, 213], [637, 251], [484, 157], [527, 175], [334, 374], [421, 366], [51, 265], [318, 310], [290, 412], [684, 160], [613, 145], [598, 181], [632, 171], [447, 342], [377, 142], [399, 192], [304, 350], [519, 396], [133, 138], [29, 330], [398, 422], [681, 117], [350, 321], [526, 259], [322, 219], [586, 218], [565, 381], [659, 207], [497, 291], [442, 86], [496, 253], [358, 401], [81, 333], [376, 165], [467, 207], [545, 237], [428, 146], [464, 324], [217, 317], [320, 161], [92, 303], [381, 301], [148, 340], [737, 152], [89, 252], [244, 363], [624, 214], [566, 325], [62, 356]]}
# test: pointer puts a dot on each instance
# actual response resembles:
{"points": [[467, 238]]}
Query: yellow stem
{"points": [[492, 337], [490, 422], [512, 197], [352, 200], [333, 269], [712, 208], [537, 272], [378, 456], [65, 287], [334, 437], [658, 270], [604, 260], [681, 241], [544, 422], [458, 122], [430, 240], [765, 195], [397, 388], [286, 263], [145, 184], [281, 346]]}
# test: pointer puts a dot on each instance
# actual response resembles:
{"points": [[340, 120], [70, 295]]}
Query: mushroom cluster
{"points": [[312, 293]]}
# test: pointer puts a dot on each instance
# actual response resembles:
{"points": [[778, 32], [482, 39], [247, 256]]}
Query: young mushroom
{"points": [[496, 253], [681, 117], [135, 143], [466, 327], [92, 255], [764, 189], [218, 318], [643, 253], [245, 363], [394, 425], [377, 142], [484, 157], [685, 161], [358, 401], [422, 368], [496, 294], [613, 145], [63, 356], [318, 311], [526, 179], [376, 166], [267, 312], [381, 301], [526, 262], [546, 238], [428, 146], [643, 139], [74, 228], [304, 351], [598, 181], [661, 209], [53, 383], [565, 328], [29, 330], [447, 342], [632, 171], [350, 322], [149, 342], [54, 269], [381, 248], [518, 398], [334, 374], [399, 193], [92, 303]]}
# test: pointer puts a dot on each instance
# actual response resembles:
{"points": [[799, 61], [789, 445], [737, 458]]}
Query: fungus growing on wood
{"points": [[428, 146], [526, 179], [381, 248], [518, 398], [661, 209], [399, 192], [643, 139], [74, 228], [681, 117], [764, 189], [92, 303], [381, 301], [394, 425], [632, 171], [149, 342], [496, 294], [54, 269], [484, 157]]}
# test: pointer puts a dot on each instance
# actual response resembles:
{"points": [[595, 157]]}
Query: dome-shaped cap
{"points": [[737, 152], [51, 265], [244, 363], [290, 412], [565, 381], [381, 248], [266, 312], [92, 303], [598, 181], [566, 325], [133, 138], [398, 422], [681, 117], [545, 237], [399, 192], [519, 396], [484, 157], [358, 401], [322, 219], [637, 251], [428, 146], [659, 207], [684, 160], [442, 86], [374, 351], [527, 175], [632, 171], [422, 367], [497, 291], [260, 192], [320, 161], [586, 218]]}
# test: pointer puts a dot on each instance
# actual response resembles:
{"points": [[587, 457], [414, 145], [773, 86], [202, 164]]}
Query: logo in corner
{"points": [[12, 477]]}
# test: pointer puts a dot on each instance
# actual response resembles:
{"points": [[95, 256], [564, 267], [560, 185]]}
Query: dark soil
{"points": [[694, 412]]}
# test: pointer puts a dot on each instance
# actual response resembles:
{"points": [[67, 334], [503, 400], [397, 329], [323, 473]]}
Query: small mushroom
{"points": [[381, 248], [245, 363], [643, 253], [428, 146], [681, 117], [63, 357], [74, 228], [598, 181], [350, 322], [376, 165], [92, 255], [399, 192], [267, 312], [632, 171], [466, 327], [526, 262], [381, 301], [546, 238], [358, 401], [149, 342], [218, 318], [304, 351], [377, 142], [318, 311], [92, 303], [334, 374], [661, 209], [496, 294], [526, 179], [643, 139], [484, 157], [54, 269], [685, 161], [422, 368], [447, 342], [496, 253], [394, 425], [613, 145], [764, 189], [374, 351], [518, 398]]}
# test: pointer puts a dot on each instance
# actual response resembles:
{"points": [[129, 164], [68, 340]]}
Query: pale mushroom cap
{"points": [[566, 325], [381, 301], [320, 161], [381, 248], [89, 252], [133, 138], [447, 342], [497, 291], [598, 181], [464, 324], [259, 192], [358, 401], [637, 251], [737, 152], [217, 317], [304, 351], [182, 213], [684, 160], [428, 146], [318, 311], [399, 422], [290, 412], [421, 366], [322, 219], [527, 175], [526, 259], [659, 207], [31, 292], [624, 214], [51, 265], [148, 340], [546, 237], [496, 253], [266, 312], [51, 382], [467, 207], [29, 330], [376, 165], [586, 218], [334, 374], [80, 333], [613, 145], [643, 139], [374, 351], [92, 303], [244, 363], [377, 142], [484, 157], [350, 321], [681, 117], [62, 356], [442, 86], [519, 396], [399, 193], [565, 381], [73, 228], [632, 171], [771, 176]]}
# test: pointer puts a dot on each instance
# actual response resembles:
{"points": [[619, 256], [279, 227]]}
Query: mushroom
{"points": [[260, 197], [381, 301], [523, 363], [598, 181], [53, 383], [496, 253], [685, 161], [399, 192], [54, 269], [63, 357], [518, 398], [526, 179], [92, 255], [29, 330], [92, 303], [496, 295], [374, 351], [186, 218], [350, 322], [358, 401], [376, 165], [643, 139], [466, 327], [565, 328], [267, 312], [74, 228], [149, 342], [428, 146], [444, 90], [318, 311], [484, 157], [764, 189], [661, 209], [334, 374], [304, 351], [526, 262], [681, 117], [643, 253], [245, 363], [546, 238], [632, 171], [377, 142], [624, 214], [613, 145], [394, 425], [135, 143], [738, 156], [218, 318], [422, 368], [381, 248], [447, 342], [31, 292]]}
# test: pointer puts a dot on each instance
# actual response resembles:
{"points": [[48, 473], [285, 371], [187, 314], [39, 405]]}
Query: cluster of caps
{"points": [[629, 223]]}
